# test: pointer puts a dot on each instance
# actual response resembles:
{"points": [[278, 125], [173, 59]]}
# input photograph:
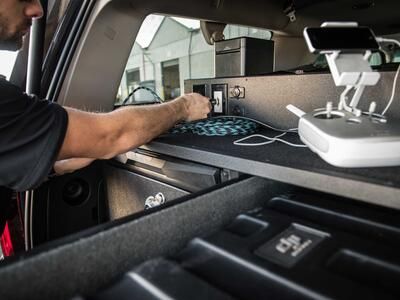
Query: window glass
{"points": [[234, 31], [7, 60], [170, 79], [132, 79], [376, 59], [396, 56], [168, 51]]}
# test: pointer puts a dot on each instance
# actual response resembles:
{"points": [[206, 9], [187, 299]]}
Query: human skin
{"points": [[93, 136], [15, 21]]}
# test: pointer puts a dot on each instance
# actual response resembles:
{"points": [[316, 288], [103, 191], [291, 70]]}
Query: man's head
{"points": [[15, 20]]}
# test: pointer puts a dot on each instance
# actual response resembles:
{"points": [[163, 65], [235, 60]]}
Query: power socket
{"points": [[219, 93], [218, 96]]}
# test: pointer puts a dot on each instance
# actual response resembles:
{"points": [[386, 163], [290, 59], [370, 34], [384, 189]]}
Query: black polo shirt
{"points": [[31, 135]]}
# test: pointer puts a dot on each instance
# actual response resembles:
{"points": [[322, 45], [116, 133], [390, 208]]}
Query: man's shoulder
{"points": [[7, 88], [14, 101]]}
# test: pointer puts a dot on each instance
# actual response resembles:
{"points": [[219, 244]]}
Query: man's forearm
{"points": [[70, 165], [104, 135], [135, 126]]}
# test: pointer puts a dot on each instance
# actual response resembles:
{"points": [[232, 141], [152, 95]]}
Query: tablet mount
{"points": [[345, 136], [353, 71]]}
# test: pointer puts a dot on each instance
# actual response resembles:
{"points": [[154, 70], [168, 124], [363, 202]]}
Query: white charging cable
{"points": [[270, 140], [240, 142], [393, 91], [384, 40]]}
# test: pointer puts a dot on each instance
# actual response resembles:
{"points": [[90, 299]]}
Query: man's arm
{"points": [[105, 135], [65, 166]]}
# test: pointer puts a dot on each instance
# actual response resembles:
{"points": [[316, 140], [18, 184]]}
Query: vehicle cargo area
{"points": [[248, 202], [223, 244]]}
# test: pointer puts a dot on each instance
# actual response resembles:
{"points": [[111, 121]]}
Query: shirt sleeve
{"points": [[31, 134]]}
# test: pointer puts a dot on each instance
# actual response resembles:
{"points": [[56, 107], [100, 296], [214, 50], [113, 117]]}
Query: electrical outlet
{"points": [[219, 93], [218, 96]]}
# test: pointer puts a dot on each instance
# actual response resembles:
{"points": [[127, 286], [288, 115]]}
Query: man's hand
{"points": [[64, 166], [197, 106]]}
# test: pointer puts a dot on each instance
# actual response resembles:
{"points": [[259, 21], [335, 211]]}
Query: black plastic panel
{"points": [[68, 204], [279, 154], [339, 265], [286, 251], [161, 279], [367, 270]]}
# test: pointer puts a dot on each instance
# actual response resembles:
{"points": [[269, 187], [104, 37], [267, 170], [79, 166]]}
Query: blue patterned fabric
{"points": [[217, 127]]}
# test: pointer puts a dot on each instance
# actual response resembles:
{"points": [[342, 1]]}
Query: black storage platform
{"points": [[282, 155], [296, 247], [278, 161]]}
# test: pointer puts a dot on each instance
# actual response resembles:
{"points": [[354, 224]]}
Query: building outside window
{"points": [[132, 79], [170, 79], [170, 50]]}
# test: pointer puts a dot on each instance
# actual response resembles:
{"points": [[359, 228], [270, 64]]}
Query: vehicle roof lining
{"points": [[96, 69], [382, 16]]}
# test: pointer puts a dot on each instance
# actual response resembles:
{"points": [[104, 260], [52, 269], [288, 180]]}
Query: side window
{"points": [[396, 56], [168, 51], [7, 60], [171, 79], [132, 79], [234, 31], [376, 59]]}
